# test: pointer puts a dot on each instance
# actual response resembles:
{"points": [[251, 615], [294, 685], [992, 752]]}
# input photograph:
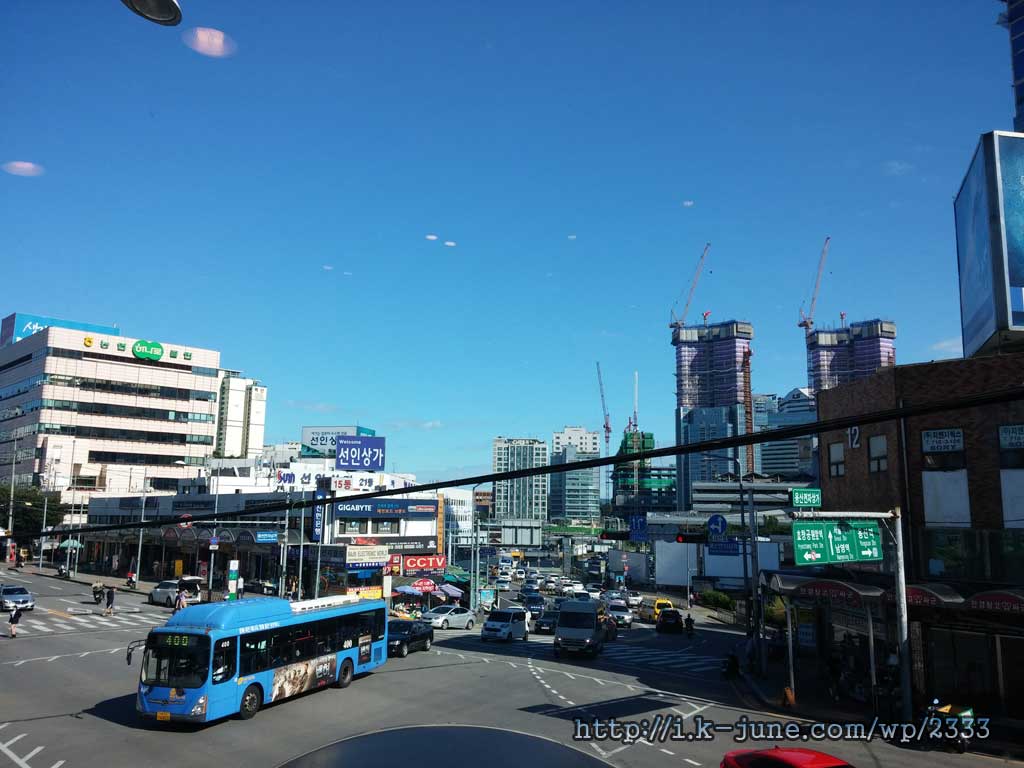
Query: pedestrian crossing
{"points": [[33, 623], [669, 659]]}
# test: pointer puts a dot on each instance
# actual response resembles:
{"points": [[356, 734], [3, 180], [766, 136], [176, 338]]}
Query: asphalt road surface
{"points": [[67, 700]]}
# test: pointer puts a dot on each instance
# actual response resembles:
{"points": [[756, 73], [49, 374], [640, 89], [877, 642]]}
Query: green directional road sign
{"points": [[805, 497], [820, 542]]}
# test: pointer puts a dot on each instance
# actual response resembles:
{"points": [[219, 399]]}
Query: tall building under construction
{"points": [[836, 356], [713, 399]]}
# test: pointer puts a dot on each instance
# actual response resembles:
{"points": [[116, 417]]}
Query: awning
{"points": [[451, 591], [1001, 600], [405, 590], [929, 595], [834, 589]]}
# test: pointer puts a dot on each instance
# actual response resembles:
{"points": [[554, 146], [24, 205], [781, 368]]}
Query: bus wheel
{"points": [[345, 676], [251, 701]]}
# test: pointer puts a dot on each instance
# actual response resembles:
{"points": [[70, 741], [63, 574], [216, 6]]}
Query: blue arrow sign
{"points": [[717, 525]]}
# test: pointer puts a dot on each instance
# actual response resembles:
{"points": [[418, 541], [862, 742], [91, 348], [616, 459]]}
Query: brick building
{"points": [[958, 476]]}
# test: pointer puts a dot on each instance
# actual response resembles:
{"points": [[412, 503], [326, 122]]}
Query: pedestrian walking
{"points": [[179, 600], [109, 610], [14, 619], [241, 586]]}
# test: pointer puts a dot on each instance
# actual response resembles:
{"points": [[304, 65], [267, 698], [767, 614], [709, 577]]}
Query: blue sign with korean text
{"points": [[266, 537], [318, 518], [637, 528], [730, 548], [359, 452]]}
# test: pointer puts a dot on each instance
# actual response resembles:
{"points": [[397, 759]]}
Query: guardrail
{"points": [[726, 617]]}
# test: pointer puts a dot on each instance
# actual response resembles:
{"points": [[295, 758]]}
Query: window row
{"points": [[877, 454], [152, 459], [99, 385], [363, 526], [127, 435], [289, 645], [104, 409]]}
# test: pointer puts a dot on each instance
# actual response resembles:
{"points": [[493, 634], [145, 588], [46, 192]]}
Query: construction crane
{"points": [[607, 426], [807, 321], [680, 321], [748, 406]]}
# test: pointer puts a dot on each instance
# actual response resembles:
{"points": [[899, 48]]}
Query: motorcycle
{"points": [[689, 628], [947, 722], [131, 581], [62, 572], [97, 593]]}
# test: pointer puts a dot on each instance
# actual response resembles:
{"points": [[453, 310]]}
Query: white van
{"points": [[506, 624], [580, 627]]}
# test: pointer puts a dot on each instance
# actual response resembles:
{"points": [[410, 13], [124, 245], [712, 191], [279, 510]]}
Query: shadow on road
{"points": [[121, 711]]}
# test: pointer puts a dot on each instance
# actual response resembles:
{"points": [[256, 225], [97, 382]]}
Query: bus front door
{"points": [[224, 691]]}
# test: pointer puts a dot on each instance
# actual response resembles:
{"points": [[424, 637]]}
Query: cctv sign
{"points": [[425, 562]]}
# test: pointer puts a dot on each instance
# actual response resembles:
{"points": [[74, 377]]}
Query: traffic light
{"points": [[691, 538], [614, 535]]}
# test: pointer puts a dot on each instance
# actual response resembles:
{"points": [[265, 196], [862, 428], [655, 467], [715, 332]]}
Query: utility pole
{"points": [[302, 537], [902, 629], [756, 584], [142, 519], [284, 550]]}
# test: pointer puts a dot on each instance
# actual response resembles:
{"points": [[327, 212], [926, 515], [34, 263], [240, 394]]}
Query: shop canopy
{"points": [[834, 589], [451, 591], [72, 543], [407, 590]]}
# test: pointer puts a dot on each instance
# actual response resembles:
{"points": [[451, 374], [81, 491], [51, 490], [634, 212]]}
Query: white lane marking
{"points": [[516, 666], [19, 736], [667, 752], [54, 586], [39, 627], [461, 656], [599, 682], [53, 658], [486, 660], [570, 703], [563, 698], [37, 750], [691, 762], [12, 577], [554, 691], [62, 625], [80, 619], [3, 725], [73, 602], [58, 764], [571, 677], [114, 650]]}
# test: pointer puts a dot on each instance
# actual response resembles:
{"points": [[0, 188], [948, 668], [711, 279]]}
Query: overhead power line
{"points": [[718, 444]]}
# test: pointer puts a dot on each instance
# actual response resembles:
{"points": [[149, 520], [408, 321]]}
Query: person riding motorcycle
{"points": [[689, 625]]}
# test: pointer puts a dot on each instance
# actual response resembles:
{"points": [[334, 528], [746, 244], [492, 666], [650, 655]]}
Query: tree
{"points": [[28, 511]]}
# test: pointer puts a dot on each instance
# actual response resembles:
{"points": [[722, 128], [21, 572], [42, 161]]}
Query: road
{"points": [[67, 700]]}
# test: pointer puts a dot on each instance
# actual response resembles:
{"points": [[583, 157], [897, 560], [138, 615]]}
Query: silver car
{"points": [[12, 596], [618, 610], [165, 592], [449, 617]]}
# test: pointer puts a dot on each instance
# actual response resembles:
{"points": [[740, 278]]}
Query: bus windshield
{"points": [[176, 661]]}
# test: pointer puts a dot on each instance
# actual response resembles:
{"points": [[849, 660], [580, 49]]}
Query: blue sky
{"points": [[198, 200]]}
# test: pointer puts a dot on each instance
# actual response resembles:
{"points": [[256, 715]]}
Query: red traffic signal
{"points": [[691, 538], [614, 535]]}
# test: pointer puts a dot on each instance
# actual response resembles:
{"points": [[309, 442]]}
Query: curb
{"points": [[87, 583]]}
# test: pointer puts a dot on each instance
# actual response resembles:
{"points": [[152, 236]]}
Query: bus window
{"points": [[325, 630], [224, 660], [378, 624], [254, 653]]}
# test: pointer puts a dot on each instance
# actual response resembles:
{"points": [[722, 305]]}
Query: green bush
{"points": [[775, 613], [714, 599]]}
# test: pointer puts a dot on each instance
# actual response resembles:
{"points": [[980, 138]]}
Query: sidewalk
{"points": [[141, 587], [813, 703]]}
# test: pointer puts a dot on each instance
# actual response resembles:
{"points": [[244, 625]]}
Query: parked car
{"points": [[634, 599], [405, 636], [781, 757], [546, 622], [261, 587], [445, 616], [620, 612], [669, 620], [506, 624], [12, 596], [165, 592]]}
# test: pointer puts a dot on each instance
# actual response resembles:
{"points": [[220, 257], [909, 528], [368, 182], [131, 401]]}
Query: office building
{"points": [[640, 487], [97, 412], [241, 416], [483, 503], [577, 494], [527, 497], [1013, 20], [713, 397], [838, 356], [586, 443], [793, 458]]}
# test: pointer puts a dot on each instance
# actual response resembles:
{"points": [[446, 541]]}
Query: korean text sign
{"points": [[359, 452]]}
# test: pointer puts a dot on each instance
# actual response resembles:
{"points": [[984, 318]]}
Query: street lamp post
{"points": [[10, 504], [142, 519], [751, 588], [474, 556]]}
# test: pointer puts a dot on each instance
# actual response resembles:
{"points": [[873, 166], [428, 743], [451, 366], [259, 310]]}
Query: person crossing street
{"points": [[14, 619]]}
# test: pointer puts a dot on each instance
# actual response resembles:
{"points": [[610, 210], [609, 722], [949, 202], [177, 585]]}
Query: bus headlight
{"points": [[200, 706]]}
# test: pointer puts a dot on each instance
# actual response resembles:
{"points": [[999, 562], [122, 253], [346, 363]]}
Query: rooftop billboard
{"points": [[319, 442], [20, 326]]}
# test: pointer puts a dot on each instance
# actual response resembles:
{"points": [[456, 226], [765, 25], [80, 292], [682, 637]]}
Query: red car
{"points": [[781, 757]]}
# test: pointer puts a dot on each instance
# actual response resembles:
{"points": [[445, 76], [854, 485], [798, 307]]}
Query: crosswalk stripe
{"points": [[40, 627]]}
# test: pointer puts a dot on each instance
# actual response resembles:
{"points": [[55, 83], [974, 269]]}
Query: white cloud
{"points": [[688, 203], [432, 424], [952, 346], [431, 237], [328, 267], [23, 168], [897, 168], [572, 237], [347, 274], [306, 405], [450, 243], [407, 424]]}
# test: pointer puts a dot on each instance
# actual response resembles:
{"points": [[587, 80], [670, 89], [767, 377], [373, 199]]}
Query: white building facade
{"points": [[99, 413], [241, 416], [527, 497]]}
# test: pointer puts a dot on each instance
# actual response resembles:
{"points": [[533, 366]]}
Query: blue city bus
{"points": [[216, 660]]}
